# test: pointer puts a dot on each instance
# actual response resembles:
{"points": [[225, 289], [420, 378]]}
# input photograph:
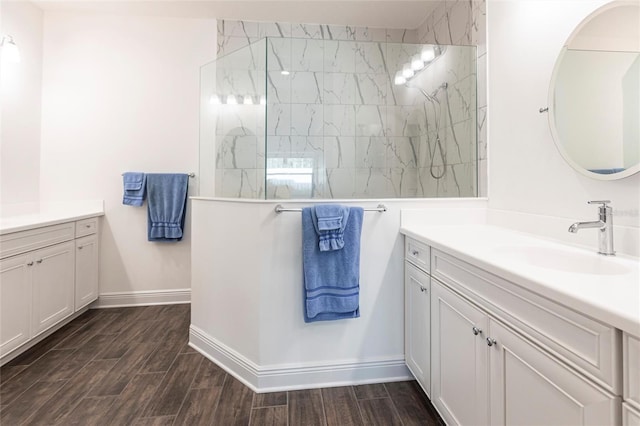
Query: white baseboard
{"points": [[143, 298], [294, 376]]}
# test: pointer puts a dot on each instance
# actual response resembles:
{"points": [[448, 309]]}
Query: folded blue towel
{"points": [[134, 188], [167, 205], [330, 216], [331, 278], [330, 221]]}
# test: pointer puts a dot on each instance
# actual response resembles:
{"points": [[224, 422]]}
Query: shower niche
{"points": [[287, 118]]}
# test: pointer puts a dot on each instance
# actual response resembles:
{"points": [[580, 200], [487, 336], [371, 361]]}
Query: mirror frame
{"points": [[551, 105]]}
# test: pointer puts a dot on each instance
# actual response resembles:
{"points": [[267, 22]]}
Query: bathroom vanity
{"points": [[48, 274], [505, 328]]}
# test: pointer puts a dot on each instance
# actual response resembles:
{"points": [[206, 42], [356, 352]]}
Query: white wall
{"points": [[122, 94], [21, 89], [526, 172]]}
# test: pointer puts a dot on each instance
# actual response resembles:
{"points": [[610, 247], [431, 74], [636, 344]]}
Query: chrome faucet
{"points": [[604, 225]]}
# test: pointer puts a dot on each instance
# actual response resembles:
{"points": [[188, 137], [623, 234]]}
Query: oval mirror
{"points": [[594, 97]]}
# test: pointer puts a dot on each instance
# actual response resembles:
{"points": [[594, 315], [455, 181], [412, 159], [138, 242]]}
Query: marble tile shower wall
{"points": [[332, 112], [461, 23], [340, 114], [239, 127], [339, 110], [447, 142]]}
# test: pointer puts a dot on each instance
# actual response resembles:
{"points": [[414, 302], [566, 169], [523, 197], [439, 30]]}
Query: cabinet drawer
{"points": [[631, 375], [587, 344], [417, 253], [86, 227], [24, 241]]}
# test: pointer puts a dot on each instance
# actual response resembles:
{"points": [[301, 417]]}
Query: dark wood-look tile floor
{"points": [[133, 366]]}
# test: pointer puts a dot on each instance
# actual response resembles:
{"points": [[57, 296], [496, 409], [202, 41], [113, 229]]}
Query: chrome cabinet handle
{"points": [[422, 289], [490, 341], [80, 247], [39, 261], [87, 226], [476, 331], [30, 263], [415, 252]]}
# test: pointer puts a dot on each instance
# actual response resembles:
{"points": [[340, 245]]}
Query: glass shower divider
{"points": [[287, 118]]}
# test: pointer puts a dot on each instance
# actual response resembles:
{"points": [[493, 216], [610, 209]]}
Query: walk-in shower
{"points": [[287, 118]]}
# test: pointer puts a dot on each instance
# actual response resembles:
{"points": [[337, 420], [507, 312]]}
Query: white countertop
{"points": [[613, 299], [52, 216]]}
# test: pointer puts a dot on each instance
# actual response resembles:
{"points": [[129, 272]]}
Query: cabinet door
{"points": [[630, 416], [631, 369], [417, 325], [529, 386], [53, 285], [86, 271], [15, 302], [459, 358]]}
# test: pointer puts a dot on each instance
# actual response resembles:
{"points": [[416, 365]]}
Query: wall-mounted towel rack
{"points": [[191, 174], [381, 208]]}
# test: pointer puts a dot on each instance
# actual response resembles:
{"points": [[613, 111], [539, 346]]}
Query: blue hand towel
{"points": [[330, 220], [167, 205], [331, 278], [134, 188]]}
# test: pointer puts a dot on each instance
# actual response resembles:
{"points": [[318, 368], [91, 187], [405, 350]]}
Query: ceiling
{"points": [[367, 13]]}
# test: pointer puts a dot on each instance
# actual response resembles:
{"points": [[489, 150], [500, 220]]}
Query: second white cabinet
{"points": [[631, 379], [15, 302], [529, 386], [486, 373], [417, 330], [459, 358], [53, 278], [46, 275], [86, 271]]}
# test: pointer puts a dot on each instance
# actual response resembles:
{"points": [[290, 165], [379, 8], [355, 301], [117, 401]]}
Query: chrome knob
{"points": [[39, 261], [30, 264], [87, 226], [490, 341], [415, 252], [476, 331], [423, 289], [80, 247]]}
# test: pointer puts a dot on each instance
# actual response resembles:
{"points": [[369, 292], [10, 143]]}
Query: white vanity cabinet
{"points": [[86, 271], [529, 386], [417, 304], [46, 275], [631, 379], [458, 358], [500, 354], [15, 302], [417, 318], [52, 285]]}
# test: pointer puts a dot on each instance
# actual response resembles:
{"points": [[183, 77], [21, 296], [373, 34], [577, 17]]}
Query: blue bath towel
{"points": [[330, 220], [331, 278], [134, 188], [167, 205]]}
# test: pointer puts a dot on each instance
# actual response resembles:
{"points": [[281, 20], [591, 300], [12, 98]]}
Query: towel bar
{"points": [[381, 208], [191, 175]]}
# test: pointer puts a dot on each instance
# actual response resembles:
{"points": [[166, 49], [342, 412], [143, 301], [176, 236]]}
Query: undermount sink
{"points": [[564, 260]]}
